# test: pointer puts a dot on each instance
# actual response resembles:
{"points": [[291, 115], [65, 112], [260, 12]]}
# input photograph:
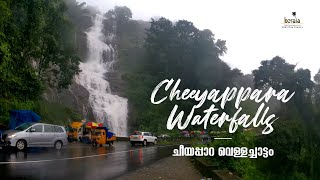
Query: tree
{"points": [[295, 137], [121, 16], [159, 44], [180, 50], [4, 17], [317, 89], [34, 51], [276, 73], [317, 77], [38, 29]]}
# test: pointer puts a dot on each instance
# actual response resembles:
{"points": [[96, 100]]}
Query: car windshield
{"points": [[24, 126], [137, 133]]}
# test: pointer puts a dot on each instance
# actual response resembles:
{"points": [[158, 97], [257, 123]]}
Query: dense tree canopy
{"points": [[36, 51], [117, 19], [33, 44], [294, 139], [180, 50]]}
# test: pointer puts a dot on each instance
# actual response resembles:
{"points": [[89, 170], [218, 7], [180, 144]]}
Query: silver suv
{"points": [[36, 135]]}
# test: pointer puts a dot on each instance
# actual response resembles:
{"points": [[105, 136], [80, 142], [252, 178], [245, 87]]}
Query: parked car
{"points": [[163, 136], [205, 138], [36, 135], [3, 128], [142, 138]]}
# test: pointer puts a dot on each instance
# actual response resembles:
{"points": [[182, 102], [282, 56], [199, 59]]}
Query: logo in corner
{"points": [[292, 22]]}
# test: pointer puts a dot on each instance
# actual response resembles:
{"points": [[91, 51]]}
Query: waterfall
{"points": [[107, 108]]}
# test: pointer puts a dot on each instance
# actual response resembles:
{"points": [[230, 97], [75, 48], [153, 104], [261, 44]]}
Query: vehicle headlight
{"points": [[12, 136]]}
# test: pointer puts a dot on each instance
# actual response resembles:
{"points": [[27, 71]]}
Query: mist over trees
{"points": [[180, 50]]}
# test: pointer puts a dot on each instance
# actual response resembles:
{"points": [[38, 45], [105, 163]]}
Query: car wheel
{"points": [[155, 142], [145, 142], [58, 145], [132, 143], [21, 145]]}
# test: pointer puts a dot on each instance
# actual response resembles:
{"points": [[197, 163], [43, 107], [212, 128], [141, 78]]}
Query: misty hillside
{"points": [[68, 62]]}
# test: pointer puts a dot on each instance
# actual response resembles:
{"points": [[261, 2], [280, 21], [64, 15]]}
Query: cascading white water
{"points": [[107, 108]]}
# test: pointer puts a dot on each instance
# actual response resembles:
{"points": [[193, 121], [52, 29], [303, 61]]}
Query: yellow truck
{"points": [[101, 135], [76, 131]]}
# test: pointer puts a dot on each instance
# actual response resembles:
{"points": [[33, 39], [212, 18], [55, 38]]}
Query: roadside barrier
{"points": [[122, 138], [175, 138], [166, 138], [162, 138]]}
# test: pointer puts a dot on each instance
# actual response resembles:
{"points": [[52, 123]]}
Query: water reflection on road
{"points": [[79, 161]]}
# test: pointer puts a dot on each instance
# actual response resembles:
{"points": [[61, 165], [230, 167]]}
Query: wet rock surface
{"points": [[75, 97], [117, 84]]}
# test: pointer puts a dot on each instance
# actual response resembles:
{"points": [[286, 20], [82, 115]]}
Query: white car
{"points": [[142, 138]]}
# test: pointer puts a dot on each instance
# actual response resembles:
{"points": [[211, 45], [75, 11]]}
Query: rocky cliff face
{"points": [[117, 85], [130, 51], [81, 41], [75, 97]]}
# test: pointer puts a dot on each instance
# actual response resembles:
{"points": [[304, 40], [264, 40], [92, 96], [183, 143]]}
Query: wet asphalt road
{"points": [[79, 161]]}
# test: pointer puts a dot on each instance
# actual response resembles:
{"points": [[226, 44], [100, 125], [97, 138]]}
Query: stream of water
{"points": [[108, 108]]}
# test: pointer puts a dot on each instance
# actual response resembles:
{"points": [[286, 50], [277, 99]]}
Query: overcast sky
{"points": [[253, 29]]}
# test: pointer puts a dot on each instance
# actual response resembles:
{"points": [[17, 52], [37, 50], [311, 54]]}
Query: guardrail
{"points": [[169, 138], [162, 138], [122, 138], [176, 138]]}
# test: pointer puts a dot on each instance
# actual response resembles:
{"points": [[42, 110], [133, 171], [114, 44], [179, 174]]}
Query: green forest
{"points": [[40, 50], [180, 50]]}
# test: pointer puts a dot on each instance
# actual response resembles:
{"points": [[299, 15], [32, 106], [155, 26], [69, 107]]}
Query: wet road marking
{"points": [[80, 157]]}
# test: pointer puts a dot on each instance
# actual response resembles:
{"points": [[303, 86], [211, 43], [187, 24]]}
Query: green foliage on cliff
{"points": [[169, 50], [56, 113], [35, 52]]}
